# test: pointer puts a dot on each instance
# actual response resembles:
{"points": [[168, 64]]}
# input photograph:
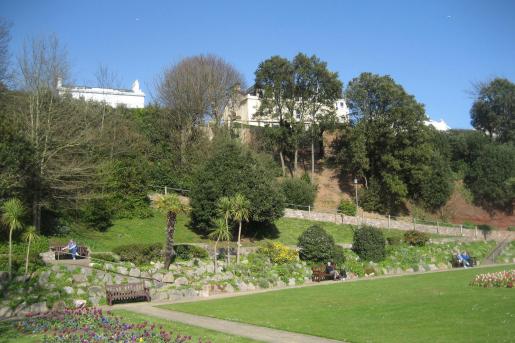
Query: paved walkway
{"points": [[238, 329]]}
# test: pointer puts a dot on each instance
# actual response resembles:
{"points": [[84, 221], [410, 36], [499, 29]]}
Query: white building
{"points": [[244, 111], [131, 98]]}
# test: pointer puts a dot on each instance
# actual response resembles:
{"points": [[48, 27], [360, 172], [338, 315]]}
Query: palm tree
{"points": [[219, 233], [171, 205], [240, 212], [225, 208], [29, 236], [12, 214]]}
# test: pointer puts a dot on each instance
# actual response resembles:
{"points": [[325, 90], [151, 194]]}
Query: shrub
{"points": [[187, 251], [369, 244], [96, 215], [298, 191], [393, 240], [316, 245], [140, 253], [511, 228], [416, 238], [485, 229], [339, 255], [278, 252], [347, 207]]}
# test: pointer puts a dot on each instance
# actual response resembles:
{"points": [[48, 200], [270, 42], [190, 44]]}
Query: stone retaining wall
{"points": [[397, 224]]}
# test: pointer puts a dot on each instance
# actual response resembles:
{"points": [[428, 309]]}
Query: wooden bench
{"points": [[82, 251], [319, 273], [130, 291], [456, 263]]}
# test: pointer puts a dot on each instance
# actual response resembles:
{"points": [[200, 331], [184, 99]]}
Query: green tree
{"points": [[232, 168], [298, 191], [12, 215], [29, 236], [490, 176], [172, 206], [225, 205], [369, 243], [388, 146], [222, 233], [494, 108], [240, 212], [298, 92]]}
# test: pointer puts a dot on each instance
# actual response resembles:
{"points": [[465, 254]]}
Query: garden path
{"points": [[239, 329]]}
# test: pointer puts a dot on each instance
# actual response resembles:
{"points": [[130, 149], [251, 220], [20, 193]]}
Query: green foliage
{"points": [[388, 145], [233, 168], [393, 240], [511, 228], [490, 177], [416, 238], [298, 191], [105, 256], [369, 243], [140, 253], [19, 253], [492, 111], [316, 245], [347, 207], [188, 251], [485, 229], [278, 252], [97, 215]]}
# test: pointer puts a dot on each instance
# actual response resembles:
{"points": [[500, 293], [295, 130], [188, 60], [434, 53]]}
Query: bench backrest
{"points": [[127, 288]]}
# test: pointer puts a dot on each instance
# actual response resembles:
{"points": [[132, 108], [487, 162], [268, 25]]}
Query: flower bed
{"points": [[94, 325], [502, 279]]}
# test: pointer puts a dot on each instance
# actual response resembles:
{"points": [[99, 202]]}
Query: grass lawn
{"points": [[9, 334], [435, 307], [152, 230]]}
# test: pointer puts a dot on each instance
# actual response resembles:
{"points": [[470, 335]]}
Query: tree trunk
{"points": [[283, 167], [312, 160], [170, 232], [10, 252], [214, 258], [228, 252], [36, 210], [27, 259], [296, 160], [239, 244]]}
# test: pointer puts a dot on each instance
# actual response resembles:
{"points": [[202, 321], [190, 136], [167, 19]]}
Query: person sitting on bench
{"points": [[72, 248], [465, 259], [331, 271]]}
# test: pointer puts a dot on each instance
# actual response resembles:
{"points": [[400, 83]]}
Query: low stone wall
{"points": [[399, 225]]}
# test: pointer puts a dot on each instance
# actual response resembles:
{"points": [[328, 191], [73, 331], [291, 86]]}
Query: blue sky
{"points": [[435, 49]]}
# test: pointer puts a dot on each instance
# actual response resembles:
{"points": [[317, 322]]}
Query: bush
{"points": [[316, 245], [96, 215], [140, 253], [393, 240], [347, 207], [278, 252], [485, 229], [416, 238], [187, 251], [298, 191], [511, 228], [339, 255], [369, 244]]}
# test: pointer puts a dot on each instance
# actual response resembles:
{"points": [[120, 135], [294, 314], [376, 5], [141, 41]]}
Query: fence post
{"points": [[414, 224], [388, 222], [461, 229], [475, 232], [166, 190], [309, 211], [437, 227]]}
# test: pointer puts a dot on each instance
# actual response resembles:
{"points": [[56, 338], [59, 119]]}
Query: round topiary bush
{"points": [[369, 244], [416, 238], [316, 245]]}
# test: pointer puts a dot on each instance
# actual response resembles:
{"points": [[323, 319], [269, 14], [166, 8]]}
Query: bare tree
{"points": [[59, 128], [5, 38], [106, 78], [195, 89]]}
